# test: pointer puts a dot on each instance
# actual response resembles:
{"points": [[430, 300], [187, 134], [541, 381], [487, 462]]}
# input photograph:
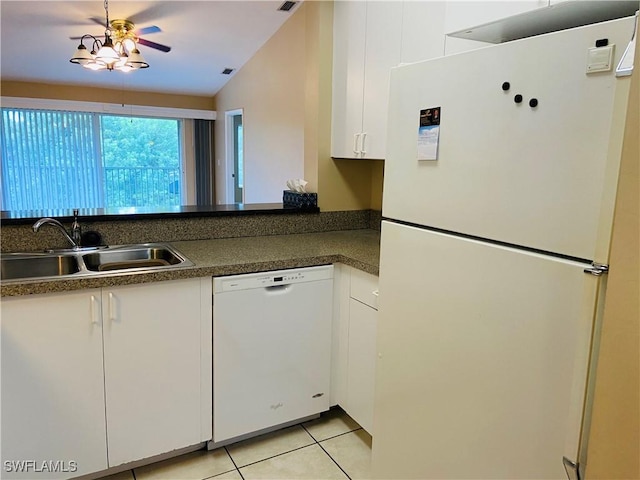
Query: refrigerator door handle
{"points": [[571, 468], [597, 269]]}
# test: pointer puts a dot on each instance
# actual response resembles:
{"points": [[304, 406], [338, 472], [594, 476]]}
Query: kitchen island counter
{"points": [[229, 256]]}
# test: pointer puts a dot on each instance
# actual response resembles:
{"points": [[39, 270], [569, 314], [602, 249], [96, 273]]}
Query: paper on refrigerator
{"points": [[429, 134]]}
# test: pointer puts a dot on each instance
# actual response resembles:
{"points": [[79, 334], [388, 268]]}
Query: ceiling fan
{"points": [[119, 50], [125, 29]]}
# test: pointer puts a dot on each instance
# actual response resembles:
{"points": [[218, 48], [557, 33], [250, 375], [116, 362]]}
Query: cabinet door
{"points": [[382, 52], [52, 385], [340, 334], [152, 351], [362, 360], [349, 24], [422, 30]]}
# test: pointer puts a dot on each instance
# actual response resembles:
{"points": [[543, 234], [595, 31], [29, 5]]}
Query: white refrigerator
{"points": [[497, 216]]}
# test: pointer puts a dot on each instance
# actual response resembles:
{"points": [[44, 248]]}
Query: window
{"points": [[63, 160]]}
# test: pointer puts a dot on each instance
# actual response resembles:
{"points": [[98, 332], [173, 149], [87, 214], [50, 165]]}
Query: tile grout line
{"points": [[332, 459], [334, 436], [276, 455], [234, 463], [315, 442]]}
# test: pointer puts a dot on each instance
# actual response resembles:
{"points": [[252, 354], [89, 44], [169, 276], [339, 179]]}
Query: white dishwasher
{"points": [[271, 348]]}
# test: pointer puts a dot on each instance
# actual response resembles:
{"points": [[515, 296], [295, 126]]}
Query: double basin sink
{"points": [[147, 257]]}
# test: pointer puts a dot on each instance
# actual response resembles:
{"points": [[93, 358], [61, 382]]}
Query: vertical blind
{"points": [[49, 160], [59, 160]]}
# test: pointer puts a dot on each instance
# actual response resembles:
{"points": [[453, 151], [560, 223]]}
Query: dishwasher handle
{"points": [[277, 289]]}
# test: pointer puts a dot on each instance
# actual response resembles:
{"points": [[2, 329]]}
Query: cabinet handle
{"points": [[92, 308], [356, 137], [112, 309], [363, 150], [376, 293]]}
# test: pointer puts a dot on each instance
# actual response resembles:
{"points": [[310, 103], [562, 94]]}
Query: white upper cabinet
{"points": [[366, 44], [349, 27], [382, 52], [422, 30]]}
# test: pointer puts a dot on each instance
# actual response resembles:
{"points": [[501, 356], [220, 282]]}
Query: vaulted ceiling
{"points": [[206, 37]]}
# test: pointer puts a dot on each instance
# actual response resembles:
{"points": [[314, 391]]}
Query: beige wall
{"points": [[270, 89], [285, 92], [104, 95], [377, 180], [614, 444], [342, 184]]}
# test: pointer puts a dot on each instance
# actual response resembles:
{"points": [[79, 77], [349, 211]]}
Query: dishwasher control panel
{"points": [[271, 279]]}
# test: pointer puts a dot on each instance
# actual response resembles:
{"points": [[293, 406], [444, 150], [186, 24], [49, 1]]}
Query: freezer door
{"points": [[535, 176], [483, 359]]}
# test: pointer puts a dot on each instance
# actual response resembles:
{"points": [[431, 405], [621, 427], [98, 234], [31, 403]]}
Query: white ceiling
{"points": [[205, 36]]}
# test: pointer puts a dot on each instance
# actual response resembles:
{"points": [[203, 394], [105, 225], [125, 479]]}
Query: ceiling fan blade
{"points": [[157, 46], [147, 30], [99, 21], [156, 11]]}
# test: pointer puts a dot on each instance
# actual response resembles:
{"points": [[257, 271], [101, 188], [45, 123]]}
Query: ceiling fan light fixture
{"points": [[107, 53], [125, 68], [136, 60], [129, 44], [81, 56], [94, 66], [124, 55]]}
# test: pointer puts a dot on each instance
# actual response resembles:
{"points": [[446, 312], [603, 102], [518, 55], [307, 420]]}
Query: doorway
{"points": [[235, 156]]}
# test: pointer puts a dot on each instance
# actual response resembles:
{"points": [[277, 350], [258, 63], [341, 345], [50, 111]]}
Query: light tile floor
{"points": [[330, 447]]}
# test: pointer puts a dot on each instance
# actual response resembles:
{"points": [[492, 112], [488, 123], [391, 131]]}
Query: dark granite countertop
{"points": [[25, 217], [229, 256]]}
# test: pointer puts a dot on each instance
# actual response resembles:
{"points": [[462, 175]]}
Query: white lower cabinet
{"points": [[152, 367], [354, 344], [362, 357], [97, 378], [52, 386]]}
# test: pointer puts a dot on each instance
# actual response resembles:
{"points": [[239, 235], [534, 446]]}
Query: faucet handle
{"points": [[76, 230]]}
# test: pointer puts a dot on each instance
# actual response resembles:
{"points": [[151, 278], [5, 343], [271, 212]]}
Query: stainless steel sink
{"points": [[122, 259], [18, 265]]}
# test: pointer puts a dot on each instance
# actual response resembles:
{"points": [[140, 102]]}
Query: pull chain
{"points": [[106, 10]]}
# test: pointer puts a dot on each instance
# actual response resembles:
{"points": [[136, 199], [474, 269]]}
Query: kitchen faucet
{"points": [[74, 238]]}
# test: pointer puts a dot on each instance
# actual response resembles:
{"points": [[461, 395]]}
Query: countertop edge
{"points": [[197, 270]]}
